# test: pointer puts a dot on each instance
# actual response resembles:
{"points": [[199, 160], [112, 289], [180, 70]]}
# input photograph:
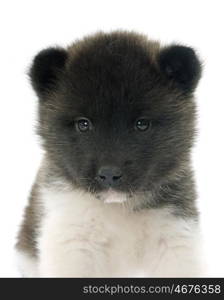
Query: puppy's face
{"points": [[116, 112]]}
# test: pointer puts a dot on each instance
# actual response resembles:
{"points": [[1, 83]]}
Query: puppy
{"points": [[114, 196]]}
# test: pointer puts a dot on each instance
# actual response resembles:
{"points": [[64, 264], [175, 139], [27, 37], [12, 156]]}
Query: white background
{"points": [[28, 26]]}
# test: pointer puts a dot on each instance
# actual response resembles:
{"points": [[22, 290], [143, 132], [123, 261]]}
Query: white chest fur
{"points": [[83, 237]]}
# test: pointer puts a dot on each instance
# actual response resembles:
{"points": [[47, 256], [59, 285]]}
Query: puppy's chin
{"points": [[112, 196]]}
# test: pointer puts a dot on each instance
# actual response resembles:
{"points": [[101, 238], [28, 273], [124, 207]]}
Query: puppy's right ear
{"points": [[46, 69], [181, 65]]}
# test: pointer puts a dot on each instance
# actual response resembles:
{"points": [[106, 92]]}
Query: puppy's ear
{"points": [[180, 64], [46, 70]]}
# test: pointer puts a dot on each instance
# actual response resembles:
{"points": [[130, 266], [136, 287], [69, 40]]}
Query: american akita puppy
{"points": [[114, 195]]}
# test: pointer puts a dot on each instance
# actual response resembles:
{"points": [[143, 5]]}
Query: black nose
{"points": [[109, 176]]}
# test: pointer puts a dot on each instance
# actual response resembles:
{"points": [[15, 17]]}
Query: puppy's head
{"points": [[116, 111]]}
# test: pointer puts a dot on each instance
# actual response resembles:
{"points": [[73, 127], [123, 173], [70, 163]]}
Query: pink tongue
{"points": [[114, 197]]}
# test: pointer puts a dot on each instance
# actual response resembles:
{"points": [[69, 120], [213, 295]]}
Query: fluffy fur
{"points": [[115, 194]]}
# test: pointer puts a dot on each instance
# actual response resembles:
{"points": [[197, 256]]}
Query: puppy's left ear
{"points": [[181, 65]]}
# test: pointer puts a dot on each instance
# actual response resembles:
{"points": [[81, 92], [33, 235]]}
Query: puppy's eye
{"points": [[142, 124], [83, 125]]}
